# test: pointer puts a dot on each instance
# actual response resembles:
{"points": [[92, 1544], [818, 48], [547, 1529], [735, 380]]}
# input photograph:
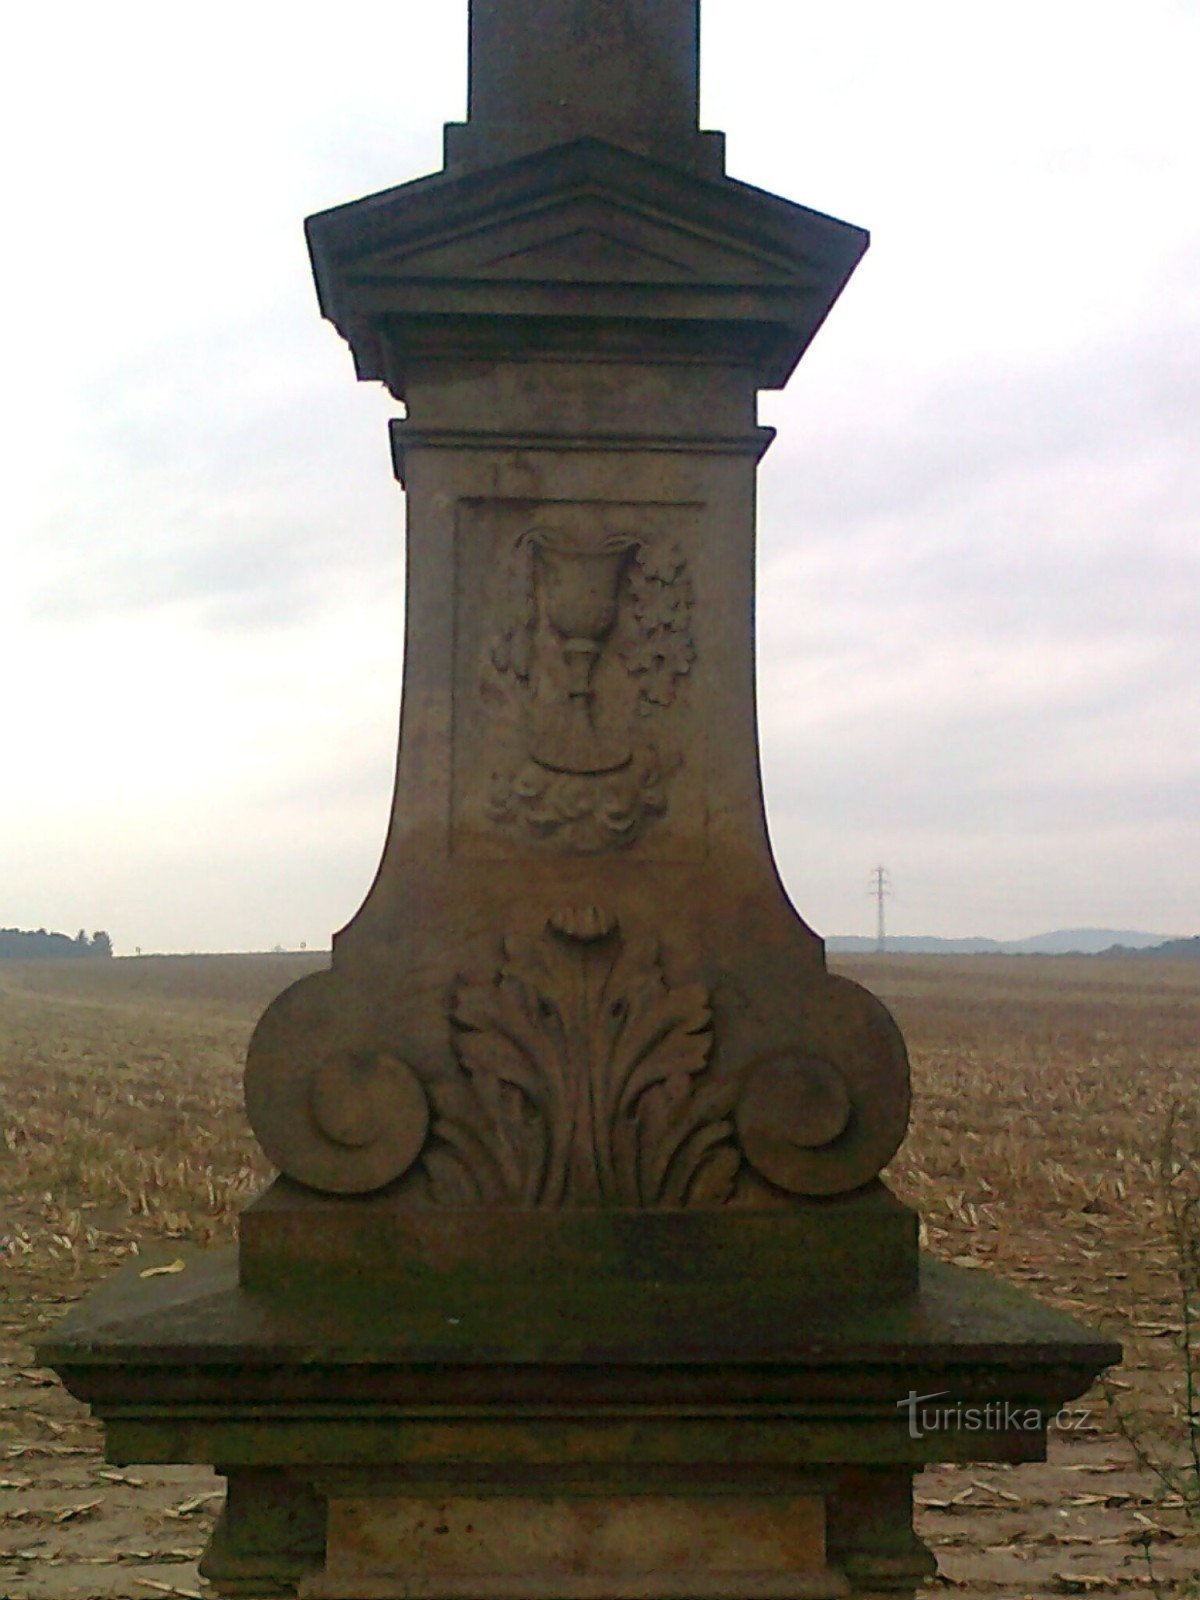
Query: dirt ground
{"points": [[1042, 1087]]}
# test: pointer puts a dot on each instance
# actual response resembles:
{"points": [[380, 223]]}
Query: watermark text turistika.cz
{"points": [[926, 1415]]}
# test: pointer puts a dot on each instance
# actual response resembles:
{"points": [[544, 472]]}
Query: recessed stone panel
{"points": [[593, 1547], [577, 637]]}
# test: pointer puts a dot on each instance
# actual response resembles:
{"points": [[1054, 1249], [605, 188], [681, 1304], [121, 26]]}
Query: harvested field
{"points": [[1042, 1086]]}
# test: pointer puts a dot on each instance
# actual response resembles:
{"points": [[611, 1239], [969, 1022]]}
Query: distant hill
{"points": [[1062, 942], [1173, 949], [913, 945], [1081, 941]]}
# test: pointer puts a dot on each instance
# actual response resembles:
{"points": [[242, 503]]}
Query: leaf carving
{"points": [[583, 1079], [715, 1177]]}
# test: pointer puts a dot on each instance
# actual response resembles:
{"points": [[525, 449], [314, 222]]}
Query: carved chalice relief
{"points": [[577, 578], [597, 638]]}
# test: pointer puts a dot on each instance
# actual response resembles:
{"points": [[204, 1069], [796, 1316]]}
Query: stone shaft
{"points": [[546, 72]]}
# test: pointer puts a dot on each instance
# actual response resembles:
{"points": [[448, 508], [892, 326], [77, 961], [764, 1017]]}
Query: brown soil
{"points": [[1042, 1084]]}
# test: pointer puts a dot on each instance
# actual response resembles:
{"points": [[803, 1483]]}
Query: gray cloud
{"points": [[978, 642], [244, 494], [979, 564]]}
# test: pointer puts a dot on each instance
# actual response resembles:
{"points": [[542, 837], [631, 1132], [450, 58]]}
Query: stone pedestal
{"points": [[592, 1546], [609, 1421], [579, 1279]]}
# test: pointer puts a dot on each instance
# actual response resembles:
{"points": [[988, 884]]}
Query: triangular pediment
{"points": [[582, 237], [602, 217], [589, 252], [580, 234]]}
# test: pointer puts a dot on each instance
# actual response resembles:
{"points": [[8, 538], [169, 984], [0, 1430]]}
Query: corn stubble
{"points": [[1043, 1087]]}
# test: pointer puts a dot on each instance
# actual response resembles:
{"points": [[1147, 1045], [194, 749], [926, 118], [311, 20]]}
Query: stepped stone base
{"points": [[681, 1437]]}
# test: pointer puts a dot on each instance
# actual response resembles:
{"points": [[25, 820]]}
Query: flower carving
{"points": [[662, 651]]}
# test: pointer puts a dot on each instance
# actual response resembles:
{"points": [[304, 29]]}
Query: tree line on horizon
{"points": [[22, 944]]}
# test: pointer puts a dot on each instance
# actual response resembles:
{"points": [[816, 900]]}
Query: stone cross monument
{"points": [[578, 1279]]}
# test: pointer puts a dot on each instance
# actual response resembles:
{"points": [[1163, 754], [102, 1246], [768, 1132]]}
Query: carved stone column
{"points": [[577, 980], [579, 1279]]}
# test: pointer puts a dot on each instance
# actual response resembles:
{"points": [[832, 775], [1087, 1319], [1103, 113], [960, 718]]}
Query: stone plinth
{"points": [[344, 1417], [579, 1279], [572, 1547]]}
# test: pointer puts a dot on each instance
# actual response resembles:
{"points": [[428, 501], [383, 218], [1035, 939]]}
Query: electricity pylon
{"points": [[880, 887]]}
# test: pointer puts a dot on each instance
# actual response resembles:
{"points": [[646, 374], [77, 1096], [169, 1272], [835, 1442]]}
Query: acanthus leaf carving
{"points": [[583, 1080]]}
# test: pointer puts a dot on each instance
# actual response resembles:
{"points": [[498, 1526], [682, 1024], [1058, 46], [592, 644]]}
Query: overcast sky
{"points": [[980, 572]]}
